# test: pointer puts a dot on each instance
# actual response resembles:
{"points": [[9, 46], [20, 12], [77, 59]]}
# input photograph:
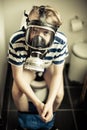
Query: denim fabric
{"points": [[32, 120]]}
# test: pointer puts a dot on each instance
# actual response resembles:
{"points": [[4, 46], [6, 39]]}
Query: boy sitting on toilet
{"points": [[38, 47]]}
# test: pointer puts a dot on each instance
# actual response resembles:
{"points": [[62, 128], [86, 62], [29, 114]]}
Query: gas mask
{"points": [[39, 39]]}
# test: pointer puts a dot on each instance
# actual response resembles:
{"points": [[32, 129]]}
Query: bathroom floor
{"points": [[72, 114]]}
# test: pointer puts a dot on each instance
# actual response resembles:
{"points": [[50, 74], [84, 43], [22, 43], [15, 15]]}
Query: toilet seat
{"points": [[38, 84], [80, 50]]}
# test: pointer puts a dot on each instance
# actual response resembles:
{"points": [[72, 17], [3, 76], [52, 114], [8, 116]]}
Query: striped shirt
{"points": [[18, 50]]}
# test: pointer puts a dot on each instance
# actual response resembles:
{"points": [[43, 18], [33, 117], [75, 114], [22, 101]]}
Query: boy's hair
{"points": [[46, 14]]}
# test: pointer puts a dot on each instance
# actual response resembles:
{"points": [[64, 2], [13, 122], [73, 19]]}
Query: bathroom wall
{"points": [[13, 11], [3, 50]]}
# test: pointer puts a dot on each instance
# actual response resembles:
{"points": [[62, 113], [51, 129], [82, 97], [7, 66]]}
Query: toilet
{"points": [[40, 89], [78, 63]]}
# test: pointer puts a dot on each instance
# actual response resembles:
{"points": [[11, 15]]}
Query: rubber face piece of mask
{"points": [[37, 41]]}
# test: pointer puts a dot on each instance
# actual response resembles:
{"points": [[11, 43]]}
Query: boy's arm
{"points": [[55, 82], [20, 79]]}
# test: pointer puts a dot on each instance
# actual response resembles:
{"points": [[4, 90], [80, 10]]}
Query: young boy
{"points": [[38, 47]]}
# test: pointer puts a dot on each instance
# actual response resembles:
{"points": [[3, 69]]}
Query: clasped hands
{"points": [[45, 111]]}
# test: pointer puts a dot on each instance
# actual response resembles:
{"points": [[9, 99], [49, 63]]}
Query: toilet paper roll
{"points": [[76, 25]]}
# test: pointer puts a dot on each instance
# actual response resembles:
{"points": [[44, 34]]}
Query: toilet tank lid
{"points": [[80, 50]]}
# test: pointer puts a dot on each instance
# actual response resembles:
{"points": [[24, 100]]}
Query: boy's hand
{"points": [[40, 108], [47, 113]]}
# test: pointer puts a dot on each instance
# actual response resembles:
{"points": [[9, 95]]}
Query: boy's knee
{"points": [[59, 97], [16, 92]]}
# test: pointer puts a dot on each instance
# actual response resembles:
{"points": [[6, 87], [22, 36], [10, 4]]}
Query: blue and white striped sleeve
{"points": [[61, 47], [16, 51]]}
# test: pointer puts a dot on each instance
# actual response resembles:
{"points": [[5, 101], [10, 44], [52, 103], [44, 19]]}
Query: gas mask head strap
{"points": [[42, 19], [42, 14]]}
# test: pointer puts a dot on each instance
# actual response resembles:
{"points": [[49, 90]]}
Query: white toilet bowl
{"points": [[40, 89], [78, 62]]}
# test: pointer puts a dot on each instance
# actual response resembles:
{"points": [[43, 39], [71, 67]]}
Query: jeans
{"points": [[33, 121]]}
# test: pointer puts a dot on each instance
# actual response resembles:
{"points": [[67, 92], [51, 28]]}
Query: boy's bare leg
{"points": [[20, 99], [59, 97], [60, 93]]}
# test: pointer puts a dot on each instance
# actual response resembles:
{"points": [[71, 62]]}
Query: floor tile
{"points": [[64, 120], [81, 119], [12, 123], [65, 103], [76, 98]]}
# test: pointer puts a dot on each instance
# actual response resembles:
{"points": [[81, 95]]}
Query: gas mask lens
{"points": [[39, 37], [39, 40]]}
